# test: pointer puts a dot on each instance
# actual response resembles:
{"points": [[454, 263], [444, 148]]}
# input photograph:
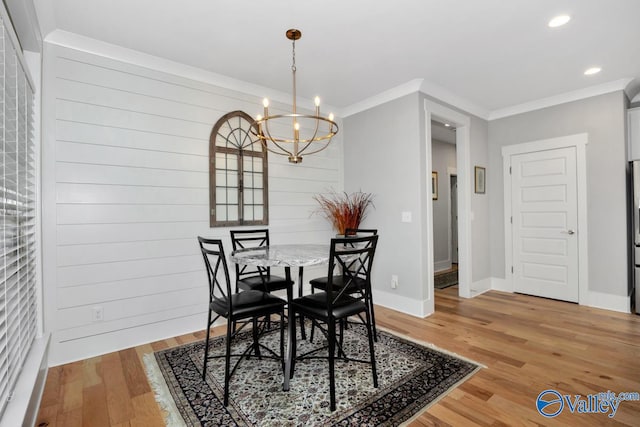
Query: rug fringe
{"points": [[161, 392]]}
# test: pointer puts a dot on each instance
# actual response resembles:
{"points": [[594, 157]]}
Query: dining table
{"points": [[286, 256]]}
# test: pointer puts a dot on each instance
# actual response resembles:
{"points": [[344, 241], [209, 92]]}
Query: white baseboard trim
{"points": [[594, 299], [441, 265], [96, 345], [401, 303], [22, 409], [609, 301], [500, 284], [481, 286]]}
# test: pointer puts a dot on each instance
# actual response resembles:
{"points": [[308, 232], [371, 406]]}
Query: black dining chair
{"points": [[336, 303], [236, 307], [254, 277], [339, 280]]}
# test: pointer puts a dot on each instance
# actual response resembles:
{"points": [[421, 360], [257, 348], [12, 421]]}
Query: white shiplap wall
{"points": [[125, 193]]}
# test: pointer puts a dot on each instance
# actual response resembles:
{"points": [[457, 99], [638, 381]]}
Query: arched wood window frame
{"points": [[238, 173]]}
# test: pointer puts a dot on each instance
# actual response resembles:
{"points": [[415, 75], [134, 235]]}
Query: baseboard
{"points": [[96, 345], [401, 303], [442, 265], [594, 299], [22, 409], [609, 301], [481, 286], [500, 284]]}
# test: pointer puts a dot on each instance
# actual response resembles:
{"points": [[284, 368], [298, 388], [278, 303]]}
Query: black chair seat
{"points": [[315, 305], [265, 283], [354, 284], [248, 304]]}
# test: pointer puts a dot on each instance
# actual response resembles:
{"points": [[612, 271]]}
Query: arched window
{"points": [[238, 190]]}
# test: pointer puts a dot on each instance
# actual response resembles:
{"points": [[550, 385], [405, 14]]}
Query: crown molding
{"points": [[444, 95], [576, 95], [118, 53], [407, 88]]}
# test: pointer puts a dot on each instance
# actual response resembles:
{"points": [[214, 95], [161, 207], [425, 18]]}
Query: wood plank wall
{"points": [[125, 182]]}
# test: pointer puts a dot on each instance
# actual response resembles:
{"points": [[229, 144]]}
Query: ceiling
{"points": [[493, 54]]}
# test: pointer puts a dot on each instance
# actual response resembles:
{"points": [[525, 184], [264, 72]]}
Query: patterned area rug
{"points": [[444, 280], [411, 377]]}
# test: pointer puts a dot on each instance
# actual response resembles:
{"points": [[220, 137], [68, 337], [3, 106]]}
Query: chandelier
{"points": [[306, 134]]}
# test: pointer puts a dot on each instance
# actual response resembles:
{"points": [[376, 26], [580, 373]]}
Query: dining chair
{"points": [[339, 279], [236, 307], [336, 303], [254, 277]]}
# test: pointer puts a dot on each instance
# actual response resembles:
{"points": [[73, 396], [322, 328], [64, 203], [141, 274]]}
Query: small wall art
{"points": [[434, 185], [481, 180]]}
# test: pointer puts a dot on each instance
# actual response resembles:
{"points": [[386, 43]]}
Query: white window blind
{"points": [[18, 311]]}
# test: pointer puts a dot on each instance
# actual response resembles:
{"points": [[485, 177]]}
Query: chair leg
{"points": [[227, 364], [331, 325], [372, 351], [206, 347], [373, 319], [256, 345], [341, 338], [282, 355], [292, 331]]}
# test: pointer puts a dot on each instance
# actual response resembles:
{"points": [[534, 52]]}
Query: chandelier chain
{"points": [[293, 64]]}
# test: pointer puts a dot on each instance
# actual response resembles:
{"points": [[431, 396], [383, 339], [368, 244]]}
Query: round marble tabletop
{"points": [[298, 255]]}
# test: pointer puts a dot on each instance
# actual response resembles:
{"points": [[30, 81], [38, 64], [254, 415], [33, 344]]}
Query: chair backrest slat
{"points": [[345, 253], [214, 257], [243, 239]]}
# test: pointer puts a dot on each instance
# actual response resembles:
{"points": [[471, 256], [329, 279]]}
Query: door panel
{"points": [[544, 209]]}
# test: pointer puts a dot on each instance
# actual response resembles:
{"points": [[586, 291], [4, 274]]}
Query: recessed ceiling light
{"points": [[559, 21], [592, 70], [447, 124]]}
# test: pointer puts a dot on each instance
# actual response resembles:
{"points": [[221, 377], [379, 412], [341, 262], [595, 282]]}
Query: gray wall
{"points": [[384, 152], [382, 155], [443, 157], [603, 118], [481, 256]]}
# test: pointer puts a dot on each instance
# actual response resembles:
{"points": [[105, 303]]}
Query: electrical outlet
{"points": [[97, 314], [394, 281]]}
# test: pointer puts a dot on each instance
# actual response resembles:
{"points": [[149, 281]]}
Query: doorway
{"points": [[444, 202], [462, 123]]}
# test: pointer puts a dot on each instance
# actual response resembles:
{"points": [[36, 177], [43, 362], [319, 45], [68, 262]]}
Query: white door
{"points": [[545, 218]]}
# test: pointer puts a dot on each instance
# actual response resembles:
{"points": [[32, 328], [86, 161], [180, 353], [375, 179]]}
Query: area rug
{"points": [[411, 377], [444, 280]]}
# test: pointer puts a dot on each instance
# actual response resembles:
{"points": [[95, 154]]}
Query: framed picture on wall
{"points": [[481, 176], [434, 185]]}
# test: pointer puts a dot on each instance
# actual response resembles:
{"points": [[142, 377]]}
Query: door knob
{"points": [[571, 232]]}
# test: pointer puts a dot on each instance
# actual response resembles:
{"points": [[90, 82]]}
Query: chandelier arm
{"points": [[326, 144], [315, 132], [274, 140]]}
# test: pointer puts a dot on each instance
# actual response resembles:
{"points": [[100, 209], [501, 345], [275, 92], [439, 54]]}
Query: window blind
{"points": [[18, 310]]}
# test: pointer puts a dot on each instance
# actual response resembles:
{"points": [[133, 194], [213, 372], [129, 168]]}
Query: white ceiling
{"points": [[495, 54]]}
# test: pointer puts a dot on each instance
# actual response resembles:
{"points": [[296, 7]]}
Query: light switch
{"points": [[406, 216]]}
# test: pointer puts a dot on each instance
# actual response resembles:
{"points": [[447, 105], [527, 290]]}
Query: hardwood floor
{"points": [[527, 344]]}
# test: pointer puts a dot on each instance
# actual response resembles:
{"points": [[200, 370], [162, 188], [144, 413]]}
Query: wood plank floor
{"points": [[527, 344]]}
